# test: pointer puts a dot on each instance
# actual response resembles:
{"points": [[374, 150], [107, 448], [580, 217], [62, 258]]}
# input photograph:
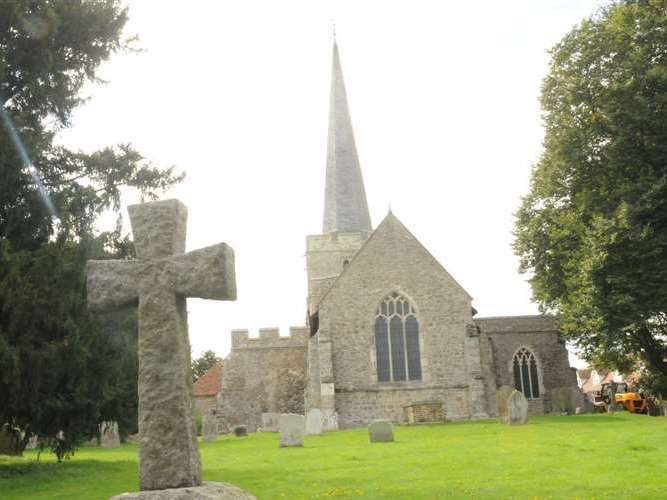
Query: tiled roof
{"points": [[210, 383]]}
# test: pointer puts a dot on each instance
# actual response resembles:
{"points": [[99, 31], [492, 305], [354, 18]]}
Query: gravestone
{"points": [[33, 443], [159, 281], [314, 421], [109, 437], [270, 422], [209, 426], [566, 400], [502, 395], [9, 441], [381, 431], [517, 409], [291, 429], [240, 431]]}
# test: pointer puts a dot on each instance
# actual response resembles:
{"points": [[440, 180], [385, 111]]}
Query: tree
{"points": [[61, 367], [203, 364], [593, 229]]}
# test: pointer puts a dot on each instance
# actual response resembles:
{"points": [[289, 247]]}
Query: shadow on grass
{"points": [[17, 468]]}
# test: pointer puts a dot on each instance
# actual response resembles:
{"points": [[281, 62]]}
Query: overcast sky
{"points": [[444, 103]]}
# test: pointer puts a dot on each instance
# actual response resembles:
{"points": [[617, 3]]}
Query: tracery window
{"points": [[526, 378], [397, 340]]}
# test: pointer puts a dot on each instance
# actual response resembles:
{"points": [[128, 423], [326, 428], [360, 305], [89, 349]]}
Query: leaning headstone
{"points": [[314, 421], [270, 422], [502, 395], [33, 442], [209, 426], [240, 431], [291, 429], [517, 409], [160, 280], [381, 431], [109, 437]]}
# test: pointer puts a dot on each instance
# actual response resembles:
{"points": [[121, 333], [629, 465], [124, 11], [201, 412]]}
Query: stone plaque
{"points": [[314, 421]]}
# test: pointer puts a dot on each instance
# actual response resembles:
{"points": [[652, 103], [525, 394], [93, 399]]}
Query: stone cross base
{"points": [[207, 491]]}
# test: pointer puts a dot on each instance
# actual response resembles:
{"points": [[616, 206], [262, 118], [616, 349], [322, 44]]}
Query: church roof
{"points": [[345, 206], [392, 227]]}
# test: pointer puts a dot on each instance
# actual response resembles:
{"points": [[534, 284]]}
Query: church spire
{"points": [[345, 207]]}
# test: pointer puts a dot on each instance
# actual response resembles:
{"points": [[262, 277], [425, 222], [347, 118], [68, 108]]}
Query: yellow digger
{"points": [[618, 396]]}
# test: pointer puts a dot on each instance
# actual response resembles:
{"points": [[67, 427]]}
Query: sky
{"points": [[444, 99]]}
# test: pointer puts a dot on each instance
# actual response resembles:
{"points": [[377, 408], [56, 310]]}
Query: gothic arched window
{"points": [[397, 340], [526, 379]]}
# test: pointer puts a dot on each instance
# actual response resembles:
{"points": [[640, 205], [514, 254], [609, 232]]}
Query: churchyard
{"points": [[582, 456]]}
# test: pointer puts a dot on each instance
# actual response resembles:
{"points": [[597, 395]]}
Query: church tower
{"points": [[346, 221]]}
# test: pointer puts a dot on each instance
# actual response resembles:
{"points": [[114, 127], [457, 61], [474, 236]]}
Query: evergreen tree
{"points": [[204, 363], [61, 368]]}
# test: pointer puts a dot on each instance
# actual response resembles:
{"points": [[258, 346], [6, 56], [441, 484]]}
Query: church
{"points": [[390, 332]]}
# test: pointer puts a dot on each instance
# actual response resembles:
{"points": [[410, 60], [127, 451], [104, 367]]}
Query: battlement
{"points": [[334, 242], [270, 338]]}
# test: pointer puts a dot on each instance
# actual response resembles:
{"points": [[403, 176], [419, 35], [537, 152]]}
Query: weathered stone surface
{"points": [[381, 431], [292, 427], [502, 395], [33, 442], [109, 437], [240, 431], [270, 422], [9, 441], [566, 400], [314, 421], [209, 427], [160, 280], [517, 409], [207, 491]]}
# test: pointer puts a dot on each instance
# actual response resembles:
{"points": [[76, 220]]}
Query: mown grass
{"points": [[584, 456]]}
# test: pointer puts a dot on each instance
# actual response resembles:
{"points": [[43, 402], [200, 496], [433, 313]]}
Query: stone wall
{"points": [[539, 334], [263, 375], [392, 260]]}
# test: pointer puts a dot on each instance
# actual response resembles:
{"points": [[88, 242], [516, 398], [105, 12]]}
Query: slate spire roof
{"points": [[345, 206]]}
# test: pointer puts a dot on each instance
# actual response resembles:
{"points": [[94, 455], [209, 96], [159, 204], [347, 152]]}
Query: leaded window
{"points": [[397, 340], [526, 379]]}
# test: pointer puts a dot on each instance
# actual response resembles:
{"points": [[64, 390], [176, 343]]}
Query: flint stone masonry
{"points": [[502, 395], [160, 280], [381, 432], [292, 427], [263, 375], [425, 411], [207, 491], [109, 437], [506, 335], [270, 422], [517, 409], [314, 421]]}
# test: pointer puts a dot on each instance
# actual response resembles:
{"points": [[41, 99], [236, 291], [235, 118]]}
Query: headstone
{"points": [[159, 281], [502, 395], [240, 431], [270, 422], [33, 442], [109, 437], [209, 427], [517, 409], [9, 441], [291, 429], [586, 407], [561, 401], [381, 431], [314, 421]]}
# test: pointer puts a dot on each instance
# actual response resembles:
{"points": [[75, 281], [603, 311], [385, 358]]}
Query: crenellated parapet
{"points": [[270, 338]]}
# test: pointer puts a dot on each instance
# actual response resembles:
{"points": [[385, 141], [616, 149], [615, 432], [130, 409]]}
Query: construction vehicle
{"points": [[615, 396]]}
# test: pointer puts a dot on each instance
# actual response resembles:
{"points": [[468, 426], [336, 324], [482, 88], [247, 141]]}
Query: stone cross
{"points": [[159, 281]]}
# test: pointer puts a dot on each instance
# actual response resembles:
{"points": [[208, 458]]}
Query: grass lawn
{"points": [[584, 456]]}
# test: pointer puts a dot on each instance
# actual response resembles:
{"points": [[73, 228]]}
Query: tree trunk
{"points": [[654, 349]]}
